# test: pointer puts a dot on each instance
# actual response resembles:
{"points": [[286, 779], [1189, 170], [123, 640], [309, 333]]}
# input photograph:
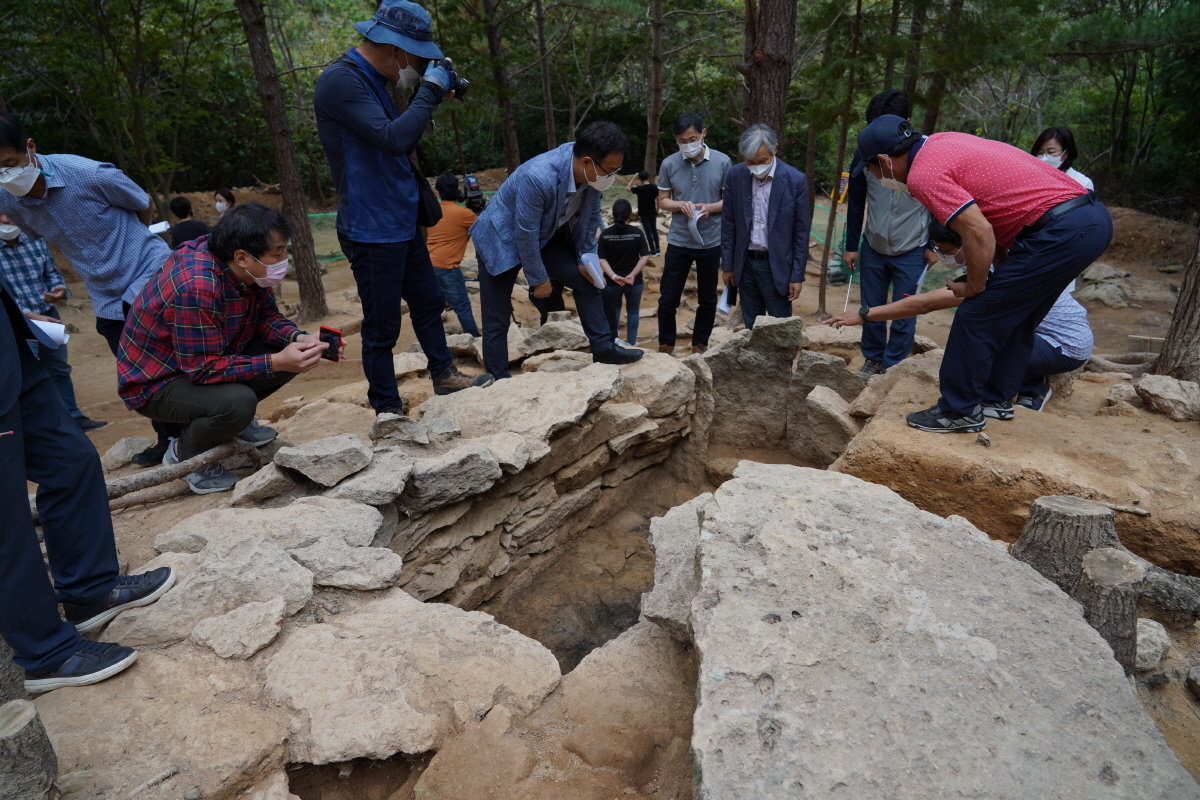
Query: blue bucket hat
{"points": [[403, 24], [884, 134]]}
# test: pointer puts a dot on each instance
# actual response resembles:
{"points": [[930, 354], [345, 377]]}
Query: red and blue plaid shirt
{"points": [[194, 318]]}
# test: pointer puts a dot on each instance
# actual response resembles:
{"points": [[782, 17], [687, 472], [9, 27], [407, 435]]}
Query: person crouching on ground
{"points": [[205, 343], [623, 253], [1062, 341], [764, 228]]}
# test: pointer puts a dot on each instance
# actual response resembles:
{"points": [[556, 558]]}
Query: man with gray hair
{"points": [[764, 227]]}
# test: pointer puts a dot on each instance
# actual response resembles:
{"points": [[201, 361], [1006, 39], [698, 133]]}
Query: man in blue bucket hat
{"points": [[368, 143]]}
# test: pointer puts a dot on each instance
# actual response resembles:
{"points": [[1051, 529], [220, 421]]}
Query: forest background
{"points": [[166, 90]]}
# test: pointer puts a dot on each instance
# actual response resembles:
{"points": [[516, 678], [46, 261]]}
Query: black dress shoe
{"points": [[618, 355], [86, 424]]}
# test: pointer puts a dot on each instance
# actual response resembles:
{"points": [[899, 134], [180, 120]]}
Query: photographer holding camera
{"points": [[368, 142]]}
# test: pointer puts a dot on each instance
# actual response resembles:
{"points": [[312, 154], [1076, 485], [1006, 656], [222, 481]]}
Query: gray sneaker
{"points": [[210, 479], [870, 368], [257, 434]]}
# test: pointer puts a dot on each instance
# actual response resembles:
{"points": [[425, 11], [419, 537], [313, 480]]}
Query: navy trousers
{"points": [[495, 296], [757, 294], [386, 273], [877, 273], [40, 442], [992, 339], [1046, 360]]}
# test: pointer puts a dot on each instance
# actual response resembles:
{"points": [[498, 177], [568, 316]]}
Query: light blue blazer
{"points": [[521, 217], [788, 221]]}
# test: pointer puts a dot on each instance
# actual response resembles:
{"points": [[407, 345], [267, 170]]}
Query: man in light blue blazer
{"points": [[543, 220], [764, 228]]}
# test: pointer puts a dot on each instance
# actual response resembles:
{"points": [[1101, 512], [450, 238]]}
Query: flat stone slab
{"points": [[852, 645]]}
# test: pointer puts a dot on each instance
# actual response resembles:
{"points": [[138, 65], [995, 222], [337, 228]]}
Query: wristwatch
{"points": [[298, 334], [862, 312]]}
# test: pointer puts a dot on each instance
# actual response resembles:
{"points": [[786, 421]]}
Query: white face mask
{"points": [[409, 77], [18, 181], [602, 182], [9, 232], [222, 206], [893, 184], [1054, 161], [760, 170], [692, 149]]}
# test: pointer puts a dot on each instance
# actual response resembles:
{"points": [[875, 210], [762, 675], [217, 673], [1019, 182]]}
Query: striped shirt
{"points": [[90, 214], [194, 318], [29, 270]]}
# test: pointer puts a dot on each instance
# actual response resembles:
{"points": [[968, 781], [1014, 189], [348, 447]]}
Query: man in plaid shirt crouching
{"points": [[204, 341]]}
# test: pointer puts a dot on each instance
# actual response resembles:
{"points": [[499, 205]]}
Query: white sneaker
{"points": [[621, 342]]}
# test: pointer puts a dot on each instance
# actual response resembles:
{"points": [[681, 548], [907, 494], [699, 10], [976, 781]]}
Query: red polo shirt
{"points": [[1012, 188]]}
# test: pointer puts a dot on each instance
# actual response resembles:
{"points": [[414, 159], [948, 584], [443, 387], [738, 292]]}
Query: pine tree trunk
{"points": [[913, 61], [889, 69], [767, 62], [1181, 350], [547, 96], [1108, 592], [654, 109], [295, 207], [28, 766], [1059, 532], [814, 124], [508, 120]]}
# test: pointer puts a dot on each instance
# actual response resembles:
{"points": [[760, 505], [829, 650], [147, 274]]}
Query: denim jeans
{"points": [[757, 294], [632, 295], [1045, 360], [677, 264], [55, 362], [877, 273], [386, 273], [454, 287], [495, 294]]}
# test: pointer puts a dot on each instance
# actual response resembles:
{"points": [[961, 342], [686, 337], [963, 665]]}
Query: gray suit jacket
{"points": [[788, 221], [521, 217]]}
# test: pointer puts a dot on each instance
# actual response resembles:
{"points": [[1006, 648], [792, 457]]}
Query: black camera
{"points": [[457, 84], [473, 196]]}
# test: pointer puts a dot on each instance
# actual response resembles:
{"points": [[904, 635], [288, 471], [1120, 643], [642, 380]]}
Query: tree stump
{"points": [[1059, 532], [1171, 598], [28, 766], [1108, 587], [12, 677]]}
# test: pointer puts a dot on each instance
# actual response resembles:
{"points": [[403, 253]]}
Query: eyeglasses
{"points": [[1051, 151], [8, 173], [941, 252], [600, 170]]}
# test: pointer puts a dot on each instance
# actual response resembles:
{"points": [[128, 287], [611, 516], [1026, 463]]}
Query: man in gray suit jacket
{"points": [[764, 228], [543, 220]]}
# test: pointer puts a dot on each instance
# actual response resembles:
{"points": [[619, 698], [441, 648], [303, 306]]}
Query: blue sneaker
{"points": [[131, 591], [91, 663], [1035, 402], [1002, 410]]}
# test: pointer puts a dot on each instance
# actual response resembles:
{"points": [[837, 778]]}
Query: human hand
{"points": [[687, 208], [55, 295], [931, 258], [298, 357], [701, 210], [312, 338], [43, 318], [958, 287], [438, 73], [794, 289], [850, 259], [849, 318], [727, 277], [542, 290]]}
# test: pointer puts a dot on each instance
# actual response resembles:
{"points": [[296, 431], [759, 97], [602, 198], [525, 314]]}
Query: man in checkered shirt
{"points": [[31, 273]]}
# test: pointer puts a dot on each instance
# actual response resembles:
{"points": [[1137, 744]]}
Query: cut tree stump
{"points": [[1175, 597], [28, 766], [1108, 586], [1059, 532], [12, 677]]}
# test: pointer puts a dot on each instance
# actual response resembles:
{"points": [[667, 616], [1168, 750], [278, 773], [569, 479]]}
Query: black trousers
{"points": [[43, 444], [111, 330], [213, 412], [677, 264]]}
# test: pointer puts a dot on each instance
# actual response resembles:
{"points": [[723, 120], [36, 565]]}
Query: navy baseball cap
{"points": [[403, 24], [881, 136]]}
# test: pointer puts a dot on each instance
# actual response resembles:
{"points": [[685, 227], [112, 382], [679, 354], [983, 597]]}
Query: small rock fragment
{"points": [[984, 439], [399, 428], [327, 460], [242, 632], [123, 451], [1153, 642]]}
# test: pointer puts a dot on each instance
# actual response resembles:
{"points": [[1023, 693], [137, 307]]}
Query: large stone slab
{"points": [[829, 426], [439, 480], [534, 405], [233, 570], [381, 482], [335, 563], [674, 538], [244, 631], [555, 336], [751, 373], [815, 369], [328, 460], [270, 481], [853, 645], [296, 525], [659, 382], [386, 678], [1179, 400]]}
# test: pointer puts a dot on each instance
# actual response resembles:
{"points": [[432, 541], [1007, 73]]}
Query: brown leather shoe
{"points": [[454, 381], [699, 348], [669, 349]]}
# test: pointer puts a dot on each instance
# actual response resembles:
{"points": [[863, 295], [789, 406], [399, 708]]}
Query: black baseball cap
{"points": [[881, 136]]}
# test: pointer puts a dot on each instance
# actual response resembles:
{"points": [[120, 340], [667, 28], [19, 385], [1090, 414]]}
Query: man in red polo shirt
{"points": [[1035, 224]]}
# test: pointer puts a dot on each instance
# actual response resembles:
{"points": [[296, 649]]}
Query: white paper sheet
{"points": [[55, 330], [592, 262], [160, 227], [695, 230], [723, 304]]}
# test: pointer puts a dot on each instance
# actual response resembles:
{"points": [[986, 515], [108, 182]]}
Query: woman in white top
{"points": [[1056, 146], [1062, 342]]}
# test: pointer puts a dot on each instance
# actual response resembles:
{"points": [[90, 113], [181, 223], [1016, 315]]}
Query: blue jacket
{"points": [[788, 221], [520, 219]]}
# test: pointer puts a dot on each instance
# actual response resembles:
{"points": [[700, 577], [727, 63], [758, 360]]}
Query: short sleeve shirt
{"points": [[647, 200], [696, 183], [622, 247], [1012, 188]]}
